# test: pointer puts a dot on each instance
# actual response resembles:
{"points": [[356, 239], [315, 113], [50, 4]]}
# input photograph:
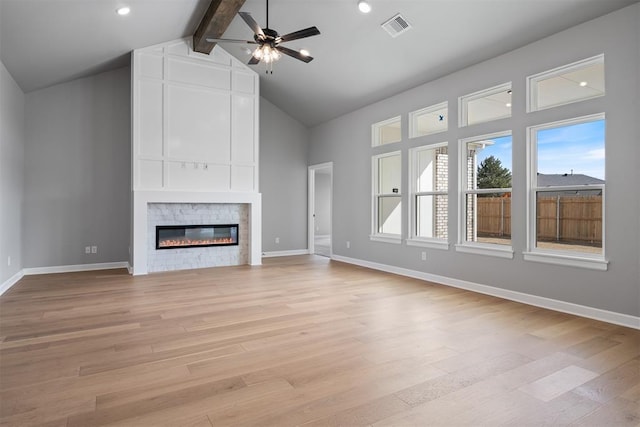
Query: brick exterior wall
{"points": [[471, 198], [442, 184]]}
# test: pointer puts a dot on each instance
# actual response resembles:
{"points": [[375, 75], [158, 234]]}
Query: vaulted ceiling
{"points": [[45, 42]]}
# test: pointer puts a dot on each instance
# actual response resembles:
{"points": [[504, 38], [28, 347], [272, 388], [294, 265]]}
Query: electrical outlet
{"points": [[277, 240], [424, 256], [87, 249], [348, 244], [94, 249], [9, 261]]}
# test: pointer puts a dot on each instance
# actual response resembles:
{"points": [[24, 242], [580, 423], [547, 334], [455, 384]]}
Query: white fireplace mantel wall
{"points": [[141, 200], [194, 136]]}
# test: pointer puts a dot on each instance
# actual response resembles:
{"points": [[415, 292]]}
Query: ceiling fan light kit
{"points": [[268, 41]]}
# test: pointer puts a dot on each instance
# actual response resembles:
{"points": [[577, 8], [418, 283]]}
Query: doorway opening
{"points": [[320, 209]]}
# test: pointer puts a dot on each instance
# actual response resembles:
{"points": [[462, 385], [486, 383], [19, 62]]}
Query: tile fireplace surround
{"points": [[153, 208], [193, 214]]}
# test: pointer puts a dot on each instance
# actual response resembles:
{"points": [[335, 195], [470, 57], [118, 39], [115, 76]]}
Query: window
{"points": [[386, 132], [429, 120], [486, 105], [387, 197], [429, 185], [564, 85], [485, 196], [566, 188]]}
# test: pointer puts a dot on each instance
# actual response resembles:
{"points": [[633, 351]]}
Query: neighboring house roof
{"points": [[554, 180], [549, 180]]}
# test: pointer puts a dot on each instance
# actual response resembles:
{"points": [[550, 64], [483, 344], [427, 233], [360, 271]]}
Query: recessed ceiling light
{"points": [[364, 6], [304, 52], [123, 11], [583, 84], [508, 104]]}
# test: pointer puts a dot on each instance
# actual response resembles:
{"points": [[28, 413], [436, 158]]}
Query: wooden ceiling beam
{"points": [[214, 23]]}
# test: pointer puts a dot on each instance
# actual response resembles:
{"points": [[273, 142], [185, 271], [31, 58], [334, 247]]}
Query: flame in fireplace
{"points": [[196, 242]]}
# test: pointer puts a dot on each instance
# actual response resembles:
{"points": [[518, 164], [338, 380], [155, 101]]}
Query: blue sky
{"points": [[579, 147], [501, 149]]}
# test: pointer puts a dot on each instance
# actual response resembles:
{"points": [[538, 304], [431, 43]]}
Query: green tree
{"points": [[491, 174]]}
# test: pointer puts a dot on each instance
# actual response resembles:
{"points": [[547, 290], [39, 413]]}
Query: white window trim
{"points": [[489, 249], [375, 236], [532, 96], [464, 99], [424, 242], [567, 258], [413, 239], [386, 238], [413, 128], [375, 131]]}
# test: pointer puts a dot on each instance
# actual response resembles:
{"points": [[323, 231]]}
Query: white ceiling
{"points": [[45, 42]]}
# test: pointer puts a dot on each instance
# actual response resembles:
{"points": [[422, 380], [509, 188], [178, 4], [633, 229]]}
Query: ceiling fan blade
{"points": [[307, 32], [251, 23], [295, 54], [231, 41], [253, 60]]}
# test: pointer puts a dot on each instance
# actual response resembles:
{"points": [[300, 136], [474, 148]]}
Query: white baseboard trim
{"points": [[285, 253], [74, 268], [551, 304], [11, 281]]}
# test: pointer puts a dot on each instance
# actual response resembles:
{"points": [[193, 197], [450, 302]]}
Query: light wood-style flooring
{"points": [[301, 341]]}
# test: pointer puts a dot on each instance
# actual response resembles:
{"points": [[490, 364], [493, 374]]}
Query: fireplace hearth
{"points": [[195, 236]]}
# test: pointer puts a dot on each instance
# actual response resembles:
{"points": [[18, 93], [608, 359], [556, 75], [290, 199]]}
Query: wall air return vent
{"points": [[396, 26]]}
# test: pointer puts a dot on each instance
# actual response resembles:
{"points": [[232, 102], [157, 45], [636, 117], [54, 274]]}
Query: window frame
{"points": [[463, 245], [533, 80], [413, 116], [414, 239], [376, 195], [463, 113], [375, 131], [561, 257]]}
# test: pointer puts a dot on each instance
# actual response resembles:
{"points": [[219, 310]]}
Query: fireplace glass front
{"points": [[191, 236]]}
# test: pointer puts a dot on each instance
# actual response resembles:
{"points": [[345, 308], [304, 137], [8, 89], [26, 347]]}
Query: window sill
{"points": [[386, 238], [425, 243], [486, 249], [567, 260]]}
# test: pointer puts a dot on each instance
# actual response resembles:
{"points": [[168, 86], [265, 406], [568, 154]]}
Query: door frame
{"points": [[311, 192]]}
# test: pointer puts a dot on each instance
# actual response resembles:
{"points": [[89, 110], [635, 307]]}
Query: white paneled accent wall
{"points": [[195, 123], [194, 140]]}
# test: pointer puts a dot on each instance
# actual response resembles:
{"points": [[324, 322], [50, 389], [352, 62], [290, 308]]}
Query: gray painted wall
{"points": [[347, 142], [77, 171], [322, 203], [11, 174], [283, 179]]}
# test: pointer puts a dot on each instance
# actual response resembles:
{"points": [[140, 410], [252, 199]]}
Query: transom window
{"points": [[429, 120], [567, 184], [486, 105], [567, 84], [386, 131]]}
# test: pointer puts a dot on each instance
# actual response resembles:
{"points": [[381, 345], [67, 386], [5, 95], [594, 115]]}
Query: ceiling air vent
{"points": [[396, 26]]}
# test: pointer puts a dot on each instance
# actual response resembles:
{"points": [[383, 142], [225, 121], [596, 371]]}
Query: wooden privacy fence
{"points": [[494, 216], [559, 218]]}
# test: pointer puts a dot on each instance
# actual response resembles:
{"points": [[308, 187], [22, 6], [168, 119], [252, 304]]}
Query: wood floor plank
{"points": [[301, 341], [558, 383]]}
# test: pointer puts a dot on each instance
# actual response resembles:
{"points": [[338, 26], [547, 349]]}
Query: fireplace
{"points": [[195, 236]]}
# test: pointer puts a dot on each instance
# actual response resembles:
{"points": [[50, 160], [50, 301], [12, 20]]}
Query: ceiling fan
{"points": [[268, 41]]}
